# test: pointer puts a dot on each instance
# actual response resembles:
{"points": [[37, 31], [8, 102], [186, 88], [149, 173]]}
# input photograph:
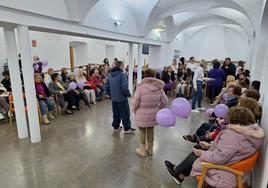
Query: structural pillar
{"points": [[140, 62], [14, 71], [130, 67], [29, 85]]}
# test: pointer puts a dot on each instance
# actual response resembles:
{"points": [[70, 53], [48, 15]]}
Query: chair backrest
{"points": [[246, 164]]}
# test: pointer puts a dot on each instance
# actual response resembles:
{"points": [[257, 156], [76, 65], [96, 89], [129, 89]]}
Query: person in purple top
{"points": [[215, 86]]}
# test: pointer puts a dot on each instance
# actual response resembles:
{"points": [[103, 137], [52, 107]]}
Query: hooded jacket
{"points": [[231, 145], [148, 99], [117, 86]]}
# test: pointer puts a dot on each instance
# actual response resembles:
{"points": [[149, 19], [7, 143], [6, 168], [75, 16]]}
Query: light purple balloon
{"points": [[225, 96], [165, 118], [209, 112], [181, 107], [221, 111], [72, 85], [44, 62], [81, 84]]}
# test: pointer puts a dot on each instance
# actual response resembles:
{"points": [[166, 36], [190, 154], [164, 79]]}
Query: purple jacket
{"points": [[217, 74], [230, 146]]}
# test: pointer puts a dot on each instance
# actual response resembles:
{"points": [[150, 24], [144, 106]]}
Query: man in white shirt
{"points": [[192, 64], [197, 86]]}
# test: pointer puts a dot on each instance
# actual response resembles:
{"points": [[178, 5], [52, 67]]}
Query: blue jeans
{"points": [[121, 112], [197, 96], [46, 104]]}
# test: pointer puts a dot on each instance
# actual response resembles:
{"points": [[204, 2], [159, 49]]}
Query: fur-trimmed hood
{"points": [[252, 132], [153, 84]]}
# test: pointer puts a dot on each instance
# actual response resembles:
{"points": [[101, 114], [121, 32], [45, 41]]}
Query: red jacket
{"points": [[97, 80]]}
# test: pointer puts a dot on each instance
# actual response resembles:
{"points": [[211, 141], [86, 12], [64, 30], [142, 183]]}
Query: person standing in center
{"points": [[197, 85], [117, 90], [148, 99]]}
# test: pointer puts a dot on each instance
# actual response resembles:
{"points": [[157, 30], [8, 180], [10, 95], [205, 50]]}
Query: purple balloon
{"points": [[209, 112], [165, 118], [225, 96], [181, 107], [44, 63], [221, 111], [81, 84], [72, 85]]}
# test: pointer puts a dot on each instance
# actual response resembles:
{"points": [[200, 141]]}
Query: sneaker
{"points": [[201, 109], [118, 130], [189, 138], [170, 167], [195, 111], [130, 131]]}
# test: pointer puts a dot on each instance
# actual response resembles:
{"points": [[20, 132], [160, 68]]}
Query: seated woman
{"points": [[98, 82], [241, 139], [88, 91], [44, 101], [252, 105], [234, 93], [168, 77], [185, 80], [64, 74], [58, 88], [76, 95], [230, 80], [4, 106]]}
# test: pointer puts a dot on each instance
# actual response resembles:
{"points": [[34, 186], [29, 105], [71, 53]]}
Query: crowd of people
{"points": [[220, 140]]}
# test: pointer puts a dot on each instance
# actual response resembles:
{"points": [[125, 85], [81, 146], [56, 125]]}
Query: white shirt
{"points": [[192, 66], [199, 76], [174, 68]]}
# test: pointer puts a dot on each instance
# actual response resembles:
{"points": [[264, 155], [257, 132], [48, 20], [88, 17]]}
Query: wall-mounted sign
{"points": [[34, 43]]}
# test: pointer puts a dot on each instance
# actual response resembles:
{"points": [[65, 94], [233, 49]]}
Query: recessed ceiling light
{"points": [[117, 23]]}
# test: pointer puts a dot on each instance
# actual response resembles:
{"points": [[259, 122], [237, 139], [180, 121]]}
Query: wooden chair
{"points": [[12, 109], [239, 169]]}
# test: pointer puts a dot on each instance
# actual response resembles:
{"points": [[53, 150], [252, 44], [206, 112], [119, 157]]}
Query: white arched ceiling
{"points": [[204, 19], [78, 9], [106, 12], [139, 17]]}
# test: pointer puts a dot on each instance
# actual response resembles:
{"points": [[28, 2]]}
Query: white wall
{"points": [[81, 55], [210, 43], [55, 49]]}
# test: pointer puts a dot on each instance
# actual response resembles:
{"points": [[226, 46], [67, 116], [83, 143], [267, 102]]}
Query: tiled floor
{"points": [[80, 151]]}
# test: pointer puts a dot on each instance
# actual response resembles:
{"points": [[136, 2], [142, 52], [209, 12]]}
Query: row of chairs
{"points": [[57, 111]]}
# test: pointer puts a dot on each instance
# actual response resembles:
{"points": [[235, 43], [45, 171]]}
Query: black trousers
{"points": [[121, 112], [214, 91], [185, 167], [201, 131]]}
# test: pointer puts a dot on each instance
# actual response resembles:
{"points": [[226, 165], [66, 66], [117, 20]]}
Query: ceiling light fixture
{"points": [[117, 23]]}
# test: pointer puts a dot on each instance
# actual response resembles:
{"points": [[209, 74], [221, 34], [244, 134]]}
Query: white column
{"points": [[28, 77], [139, 63], [130, 67], [14, 71]]}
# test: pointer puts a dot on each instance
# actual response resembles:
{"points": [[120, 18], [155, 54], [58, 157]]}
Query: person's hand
{"points": [[204, 145], [209, 135], [77, 92], [41, 97], [212, 79], [197, 152], [220, 121], [107, 97]]}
